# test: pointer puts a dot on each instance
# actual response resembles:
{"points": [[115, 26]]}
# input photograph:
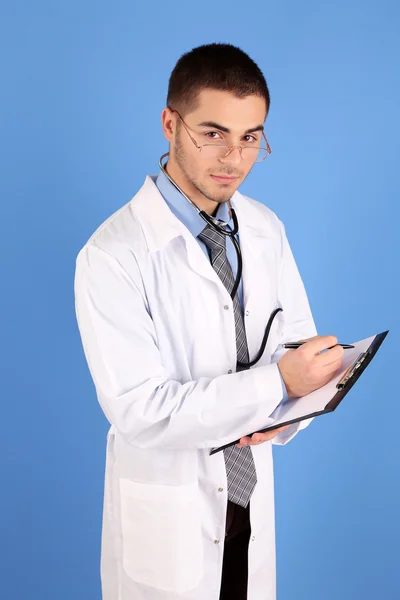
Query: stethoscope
{"points": [[220, 226]]}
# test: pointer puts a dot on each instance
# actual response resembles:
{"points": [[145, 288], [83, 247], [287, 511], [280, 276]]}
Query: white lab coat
{"points": [[157, 327]]}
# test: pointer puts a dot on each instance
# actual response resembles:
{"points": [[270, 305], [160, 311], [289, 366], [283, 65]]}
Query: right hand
{"points": [[304, 370]]}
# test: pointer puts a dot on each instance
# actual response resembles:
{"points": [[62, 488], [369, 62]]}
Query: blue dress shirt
{"points": [[181, 208]]}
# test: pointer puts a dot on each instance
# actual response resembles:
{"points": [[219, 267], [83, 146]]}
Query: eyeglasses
{"points": [[248, 153]]}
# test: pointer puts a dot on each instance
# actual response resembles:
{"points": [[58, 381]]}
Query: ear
{"points": [[168, 122]]}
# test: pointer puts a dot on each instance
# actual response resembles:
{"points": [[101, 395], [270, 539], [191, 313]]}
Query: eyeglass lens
{"points": [[211, 151]]}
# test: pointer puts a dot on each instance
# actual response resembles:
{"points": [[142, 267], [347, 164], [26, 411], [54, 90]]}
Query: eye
{"points": [[211, 136], [252, 138], [210, 133]]}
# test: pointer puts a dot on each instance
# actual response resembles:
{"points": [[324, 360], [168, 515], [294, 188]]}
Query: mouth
{"points": [[221, 179]]}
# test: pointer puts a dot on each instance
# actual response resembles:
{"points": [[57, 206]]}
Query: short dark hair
{"points": [[215, 66]]}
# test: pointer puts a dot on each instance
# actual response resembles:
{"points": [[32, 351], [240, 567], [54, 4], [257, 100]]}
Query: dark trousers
{"points": [[235, 561]]}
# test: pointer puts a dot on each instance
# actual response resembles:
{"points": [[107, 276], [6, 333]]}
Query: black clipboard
{"points": [[343, 387]]}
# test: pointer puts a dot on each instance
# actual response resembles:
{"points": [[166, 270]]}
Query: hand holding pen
{"points": [[303, 372], [311, 365]]}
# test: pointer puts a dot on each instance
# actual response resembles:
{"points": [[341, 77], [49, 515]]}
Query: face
{"points": [[197, 175]]}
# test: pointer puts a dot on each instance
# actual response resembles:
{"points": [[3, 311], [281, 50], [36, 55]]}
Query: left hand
{"points": [[260, 438]]}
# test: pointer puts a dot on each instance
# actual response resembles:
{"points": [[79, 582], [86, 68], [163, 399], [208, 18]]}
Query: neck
{"points": [[201, 201]]}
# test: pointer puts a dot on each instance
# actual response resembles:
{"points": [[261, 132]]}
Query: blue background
{"points": [[83, 85]]}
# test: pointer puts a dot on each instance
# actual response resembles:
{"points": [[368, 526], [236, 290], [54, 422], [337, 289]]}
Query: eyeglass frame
{"points": [[230, 148]]}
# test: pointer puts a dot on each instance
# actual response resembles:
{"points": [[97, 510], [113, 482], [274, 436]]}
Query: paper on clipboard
{"points": [[317, 401], [326, 398]]}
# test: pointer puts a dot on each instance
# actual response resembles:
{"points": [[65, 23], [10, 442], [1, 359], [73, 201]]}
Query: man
{"points": [[168, 350]]}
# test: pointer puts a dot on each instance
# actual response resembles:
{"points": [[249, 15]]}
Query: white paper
{"points": [[294, 408]]}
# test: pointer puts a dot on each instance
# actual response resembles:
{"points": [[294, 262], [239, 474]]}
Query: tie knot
{"points": [[213, 239]]}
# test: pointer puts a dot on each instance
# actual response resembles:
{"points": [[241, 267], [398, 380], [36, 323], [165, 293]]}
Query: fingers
{"points": [[244, 441], [317, 344], [330, 356], [310, 366], [259, 438]]}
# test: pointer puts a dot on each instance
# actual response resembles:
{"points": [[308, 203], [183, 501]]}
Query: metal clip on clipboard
{"points": [[354, 367]]}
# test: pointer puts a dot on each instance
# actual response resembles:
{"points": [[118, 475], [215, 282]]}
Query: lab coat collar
{"points": [[160, 225]]}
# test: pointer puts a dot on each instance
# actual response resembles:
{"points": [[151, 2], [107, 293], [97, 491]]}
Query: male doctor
{"points": [[168, 350]]}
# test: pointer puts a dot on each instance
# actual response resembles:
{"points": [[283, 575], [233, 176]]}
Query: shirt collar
{"points": [[182, 208]]}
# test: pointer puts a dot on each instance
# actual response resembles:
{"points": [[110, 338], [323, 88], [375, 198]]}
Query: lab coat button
{"points": [[230, 371], [226, 307], [220, 489], [247, 313], [216, 541], [253, 537]]}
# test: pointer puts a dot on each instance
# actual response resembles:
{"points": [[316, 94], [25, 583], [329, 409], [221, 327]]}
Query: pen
{"points": [[294, 345]]}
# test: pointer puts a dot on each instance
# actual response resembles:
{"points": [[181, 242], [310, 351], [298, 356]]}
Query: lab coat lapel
{"points": [[160, 226]]}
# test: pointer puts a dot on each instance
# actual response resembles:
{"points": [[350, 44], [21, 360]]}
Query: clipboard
{"points": [[327, 398]]}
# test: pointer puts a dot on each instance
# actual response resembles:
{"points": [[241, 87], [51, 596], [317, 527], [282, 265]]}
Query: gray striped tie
{"points": [[240, 469]]}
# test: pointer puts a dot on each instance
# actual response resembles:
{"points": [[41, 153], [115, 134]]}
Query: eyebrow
{"points": [[226, 130]]}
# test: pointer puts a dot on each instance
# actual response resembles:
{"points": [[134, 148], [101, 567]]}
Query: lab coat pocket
{"points": [[161, 534]]}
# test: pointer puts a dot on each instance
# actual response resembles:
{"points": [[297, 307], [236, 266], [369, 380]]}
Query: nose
{"points": [[233, 156]]}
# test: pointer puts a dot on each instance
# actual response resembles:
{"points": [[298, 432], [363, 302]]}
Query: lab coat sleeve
{"points": [[297, 317], [134, 390]]}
